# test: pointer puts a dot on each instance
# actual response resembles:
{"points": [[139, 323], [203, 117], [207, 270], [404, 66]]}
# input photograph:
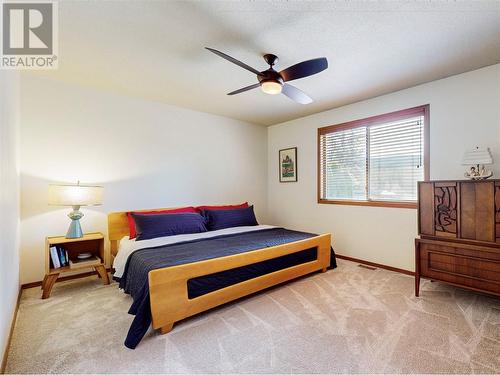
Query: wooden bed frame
{"points": [[168, 286]]}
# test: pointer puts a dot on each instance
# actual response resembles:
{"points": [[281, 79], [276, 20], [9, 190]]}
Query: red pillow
{"points": [[131, 222], [226, 207]]}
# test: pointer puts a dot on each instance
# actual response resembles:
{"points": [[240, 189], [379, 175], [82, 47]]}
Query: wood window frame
{"points": [[370, 121]]}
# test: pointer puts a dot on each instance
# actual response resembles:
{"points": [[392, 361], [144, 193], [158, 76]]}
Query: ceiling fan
{"points": [[273, 82]]}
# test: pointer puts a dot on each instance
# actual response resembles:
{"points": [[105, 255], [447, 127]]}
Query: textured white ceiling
{"points": [[154, 49]]}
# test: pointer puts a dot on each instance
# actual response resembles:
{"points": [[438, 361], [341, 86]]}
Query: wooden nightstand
{"points": [[90, 242]]}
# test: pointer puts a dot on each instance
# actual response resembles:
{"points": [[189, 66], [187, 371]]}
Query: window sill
{"points": [[369, 203]]}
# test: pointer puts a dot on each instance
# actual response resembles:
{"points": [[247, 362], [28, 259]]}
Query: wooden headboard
{"points": [[118, 226]]}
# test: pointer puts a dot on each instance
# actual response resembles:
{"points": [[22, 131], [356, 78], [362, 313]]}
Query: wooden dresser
{"points": [[459, 228]]}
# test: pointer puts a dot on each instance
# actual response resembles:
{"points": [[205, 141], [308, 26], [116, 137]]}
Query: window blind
{"points": [[395, 159], [379, 159], [343, 159]]}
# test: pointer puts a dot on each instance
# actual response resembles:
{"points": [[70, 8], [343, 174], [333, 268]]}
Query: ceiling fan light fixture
{"points": [[271, 87]]}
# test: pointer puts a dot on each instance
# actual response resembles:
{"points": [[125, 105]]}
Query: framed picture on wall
{"points": [[288, 164]]}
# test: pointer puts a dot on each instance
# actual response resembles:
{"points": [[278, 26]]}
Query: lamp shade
{"points": [[75, 195], [477, 156]]}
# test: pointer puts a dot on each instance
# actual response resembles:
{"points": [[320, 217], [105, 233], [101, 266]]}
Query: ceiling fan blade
{"points": [[254, 86], [304, 69], [234, 61], [295, 94]]}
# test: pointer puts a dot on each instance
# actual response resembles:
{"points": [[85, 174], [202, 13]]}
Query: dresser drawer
{"points": [[468, 265]]}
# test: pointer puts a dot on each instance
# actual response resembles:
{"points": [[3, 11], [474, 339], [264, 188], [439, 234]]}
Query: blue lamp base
{"points": [[75, 230]]}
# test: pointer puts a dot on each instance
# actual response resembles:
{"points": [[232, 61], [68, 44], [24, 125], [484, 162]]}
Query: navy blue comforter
{"points": [[135, 277]]}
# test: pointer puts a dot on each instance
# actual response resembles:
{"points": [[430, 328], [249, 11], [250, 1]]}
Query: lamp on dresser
{"points": [[75, 196], [476, 159]]}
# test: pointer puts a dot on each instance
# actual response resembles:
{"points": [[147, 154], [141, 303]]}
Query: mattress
{"points": [[128, 246]]}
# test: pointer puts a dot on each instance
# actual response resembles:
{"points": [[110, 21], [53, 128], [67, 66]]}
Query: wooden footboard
{"points": [[168, 286]]}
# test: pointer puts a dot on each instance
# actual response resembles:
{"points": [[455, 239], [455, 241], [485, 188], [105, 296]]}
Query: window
{"points": [[375, 161]]}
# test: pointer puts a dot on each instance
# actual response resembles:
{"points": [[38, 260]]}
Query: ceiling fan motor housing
{"points": [[270, 75]]}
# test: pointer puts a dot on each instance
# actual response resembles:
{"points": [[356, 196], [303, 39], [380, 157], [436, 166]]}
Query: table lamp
{"points": [[477, 159], [75, 196]]}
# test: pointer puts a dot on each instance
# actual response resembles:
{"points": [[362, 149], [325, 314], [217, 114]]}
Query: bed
{"points": [[172, 279]]}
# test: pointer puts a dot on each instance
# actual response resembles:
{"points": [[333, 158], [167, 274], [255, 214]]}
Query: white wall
{"points": [[9, 202], [464, 112], [145, 154]]}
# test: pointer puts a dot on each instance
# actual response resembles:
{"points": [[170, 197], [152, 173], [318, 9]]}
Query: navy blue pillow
{"points": [[161, 225], [220, 219]]}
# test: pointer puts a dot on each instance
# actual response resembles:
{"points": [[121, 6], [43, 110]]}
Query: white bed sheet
{"points": [[128, 246]]}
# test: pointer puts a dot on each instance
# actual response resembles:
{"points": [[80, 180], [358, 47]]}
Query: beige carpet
{"points": [[350, 320]]}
